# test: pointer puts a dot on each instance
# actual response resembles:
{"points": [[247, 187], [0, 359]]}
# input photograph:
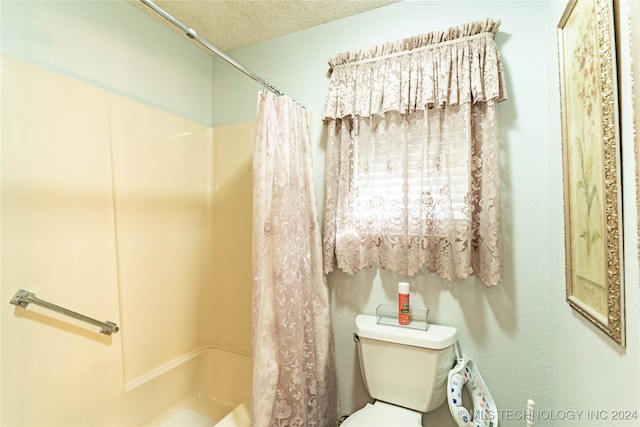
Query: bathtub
{"points": [[215, 389]]}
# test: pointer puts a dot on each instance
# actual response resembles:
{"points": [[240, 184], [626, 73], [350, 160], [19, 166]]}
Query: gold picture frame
{"points": [[591, 164], [634, 44]]}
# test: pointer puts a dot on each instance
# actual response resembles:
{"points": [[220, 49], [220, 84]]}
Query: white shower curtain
{"points": [[294, 379]]}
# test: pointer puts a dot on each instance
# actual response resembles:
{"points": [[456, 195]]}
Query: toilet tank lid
{"points": [[436, 337]]}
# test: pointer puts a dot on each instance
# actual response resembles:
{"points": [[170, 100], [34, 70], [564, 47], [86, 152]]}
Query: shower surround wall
{"points": [[112, 189]]}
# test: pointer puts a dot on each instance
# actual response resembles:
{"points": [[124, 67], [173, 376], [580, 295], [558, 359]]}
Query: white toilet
{"points": [[405, 370]]}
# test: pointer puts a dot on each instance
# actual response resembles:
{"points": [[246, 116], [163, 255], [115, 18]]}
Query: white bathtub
{"points": [[219, 394]]}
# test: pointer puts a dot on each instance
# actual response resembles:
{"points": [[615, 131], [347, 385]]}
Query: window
{"points": [[412, 177]]}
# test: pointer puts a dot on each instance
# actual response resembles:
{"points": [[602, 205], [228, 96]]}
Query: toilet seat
{"points": [[383, 414], [466, 374]]}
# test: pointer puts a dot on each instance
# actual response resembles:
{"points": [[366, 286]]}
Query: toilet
{"points": [[405, 370]]}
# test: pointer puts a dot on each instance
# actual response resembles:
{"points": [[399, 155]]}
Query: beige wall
{"points": [[161, 174], [58, 241], [107, 210], [232, 212]]}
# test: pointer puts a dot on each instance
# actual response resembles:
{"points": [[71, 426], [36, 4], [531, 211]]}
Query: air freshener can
{"points": [[404, 316]]}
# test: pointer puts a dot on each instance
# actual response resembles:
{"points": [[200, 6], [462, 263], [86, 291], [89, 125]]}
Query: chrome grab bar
{"points": [[22, 298]]}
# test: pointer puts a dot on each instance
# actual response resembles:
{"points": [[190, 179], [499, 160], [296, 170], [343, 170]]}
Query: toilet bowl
{"points": [[383, 414], [404, 370], [409, 372]]}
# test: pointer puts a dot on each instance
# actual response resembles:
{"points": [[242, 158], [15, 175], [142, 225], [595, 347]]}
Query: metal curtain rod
{"points": [[190, 32], [22, 298]]}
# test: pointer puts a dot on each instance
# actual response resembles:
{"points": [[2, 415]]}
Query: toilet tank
{"points": [[403, 366]]}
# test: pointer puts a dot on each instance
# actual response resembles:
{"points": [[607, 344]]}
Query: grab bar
{"points": [[22, 298]]}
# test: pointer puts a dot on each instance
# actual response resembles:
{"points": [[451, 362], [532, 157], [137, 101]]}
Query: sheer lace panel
{"points": [[294, 377], [413, 176]]}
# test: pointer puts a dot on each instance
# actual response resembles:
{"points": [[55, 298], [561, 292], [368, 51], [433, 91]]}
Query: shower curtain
{"points": [[294, 378]]}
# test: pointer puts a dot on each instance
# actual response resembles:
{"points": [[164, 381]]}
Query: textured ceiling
{"points": [[231, 24]]}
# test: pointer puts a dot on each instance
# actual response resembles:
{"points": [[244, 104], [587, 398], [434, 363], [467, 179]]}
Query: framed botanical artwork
{"points": [[591, 164], [634, 37]]}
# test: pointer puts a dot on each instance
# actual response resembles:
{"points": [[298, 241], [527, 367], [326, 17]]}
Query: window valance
{"points": [[413, 174], [451, 67]]}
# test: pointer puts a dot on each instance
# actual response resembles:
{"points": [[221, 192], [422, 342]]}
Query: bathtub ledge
{"points": [[239, 417]]}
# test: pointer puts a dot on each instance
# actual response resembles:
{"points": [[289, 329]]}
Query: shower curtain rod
{"points": [[190, 32]]}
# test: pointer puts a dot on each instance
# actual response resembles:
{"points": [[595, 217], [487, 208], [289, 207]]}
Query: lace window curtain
{"points": [[413, 172]]}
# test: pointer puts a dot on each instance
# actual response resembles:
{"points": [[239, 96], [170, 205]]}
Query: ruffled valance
{"points": [[451, 67]]}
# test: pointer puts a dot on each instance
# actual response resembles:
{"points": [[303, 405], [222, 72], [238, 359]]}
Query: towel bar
{"points": [[22, 298]]}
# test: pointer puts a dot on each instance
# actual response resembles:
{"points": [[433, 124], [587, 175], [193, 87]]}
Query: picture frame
{"points": [[591, 165], [634, 45]]}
